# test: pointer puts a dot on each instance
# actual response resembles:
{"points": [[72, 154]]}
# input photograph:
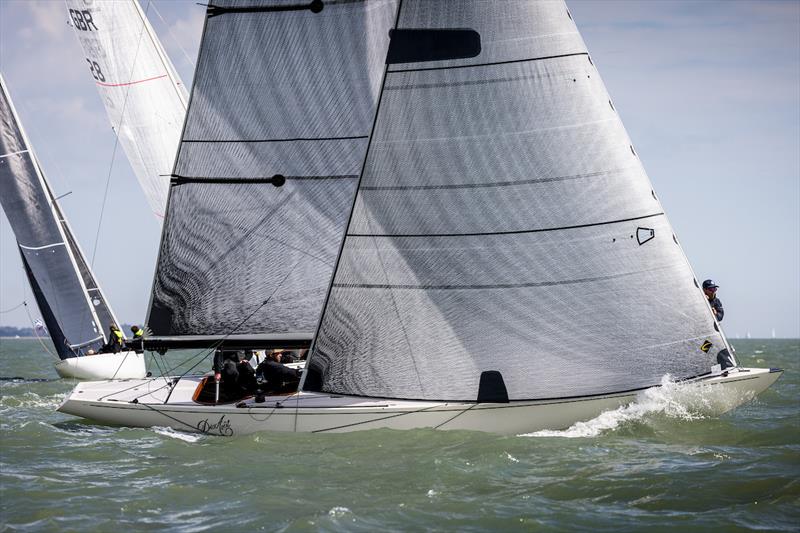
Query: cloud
{"points": [[48, 23]]}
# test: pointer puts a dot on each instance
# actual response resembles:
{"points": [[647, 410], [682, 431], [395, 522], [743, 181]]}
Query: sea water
{"points": [[661, 462]]}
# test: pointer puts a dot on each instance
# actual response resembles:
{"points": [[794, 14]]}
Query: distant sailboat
{"points": [[72, 304], [140, 88], [503, 234]]}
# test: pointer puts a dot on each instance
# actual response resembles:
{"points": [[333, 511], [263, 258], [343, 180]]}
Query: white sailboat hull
{"points": [[105, 366], [154, 402]]}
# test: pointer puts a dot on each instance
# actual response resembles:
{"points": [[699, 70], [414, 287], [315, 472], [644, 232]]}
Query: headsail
{"points": [[274, 140], [66, 292], [143, 95], [505, 235]]}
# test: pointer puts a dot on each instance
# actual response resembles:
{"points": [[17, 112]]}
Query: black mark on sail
{"points": [[644, 234], [315, 6], [418, 45], [277, 180], [492, 388], [706, 346]]}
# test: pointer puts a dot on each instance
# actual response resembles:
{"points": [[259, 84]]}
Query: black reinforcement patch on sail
{"points": [[492, 388], [419, 45]]}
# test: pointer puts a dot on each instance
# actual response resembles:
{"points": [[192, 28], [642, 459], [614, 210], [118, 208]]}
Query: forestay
{"points": [[71, 303], [275, 138], [143, 95], [504, 223]]}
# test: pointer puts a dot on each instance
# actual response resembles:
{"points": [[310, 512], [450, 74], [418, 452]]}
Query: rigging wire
{"points": [[14, 308], [174, 37], [33, 325], [116, 140]]}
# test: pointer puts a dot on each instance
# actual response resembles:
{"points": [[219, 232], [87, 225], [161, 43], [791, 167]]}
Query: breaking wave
{"points": [[683, 401], [31, 400], [175, 434]]}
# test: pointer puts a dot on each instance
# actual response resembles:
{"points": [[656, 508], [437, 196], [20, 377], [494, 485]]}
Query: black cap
{"points": [[709, 284]]}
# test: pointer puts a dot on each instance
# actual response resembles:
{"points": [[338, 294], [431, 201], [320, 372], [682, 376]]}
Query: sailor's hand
{"points": [[217, 376]]}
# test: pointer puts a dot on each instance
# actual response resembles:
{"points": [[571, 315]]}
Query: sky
{"points": [[709, 92]]}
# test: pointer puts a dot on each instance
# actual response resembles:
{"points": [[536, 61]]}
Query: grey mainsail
{"points": [[69, 298], [504, 225], [275, 136]]}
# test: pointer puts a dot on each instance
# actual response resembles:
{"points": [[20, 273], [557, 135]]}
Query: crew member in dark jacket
{"points": [[710, 290], [236, 376], [279, 377]]}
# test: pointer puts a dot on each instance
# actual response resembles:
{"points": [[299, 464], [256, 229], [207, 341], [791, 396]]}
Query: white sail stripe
{"points": [[86, 343], [14, 153], [43, 247]]}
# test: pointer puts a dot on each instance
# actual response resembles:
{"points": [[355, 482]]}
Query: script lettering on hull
{"points": [[222, 427]]}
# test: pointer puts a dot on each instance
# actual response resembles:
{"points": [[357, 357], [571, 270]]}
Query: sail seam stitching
{"points": [[490, 64], [292, 139], [509, 183], [514, 232], [488, 286]]}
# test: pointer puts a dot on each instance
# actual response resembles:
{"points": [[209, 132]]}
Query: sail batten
{"points": [[505, 227], [273, 143]]}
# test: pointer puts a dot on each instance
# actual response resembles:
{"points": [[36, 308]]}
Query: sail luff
{"points": [[177, 84], [649, 182], [150, 301]]}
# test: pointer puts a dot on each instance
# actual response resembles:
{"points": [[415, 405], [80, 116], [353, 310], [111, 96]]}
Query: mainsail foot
{"points": [[169, 402]]}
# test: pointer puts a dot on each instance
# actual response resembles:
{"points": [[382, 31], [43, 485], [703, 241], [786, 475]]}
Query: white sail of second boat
{"points": [[142, 93]]}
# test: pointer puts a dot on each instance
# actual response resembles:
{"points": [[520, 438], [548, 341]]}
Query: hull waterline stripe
{"points": [[528, 60], [513, 232]]}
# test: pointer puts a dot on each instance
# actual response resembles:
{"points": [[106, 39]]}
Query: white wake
{"points": [[684, 401]]}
